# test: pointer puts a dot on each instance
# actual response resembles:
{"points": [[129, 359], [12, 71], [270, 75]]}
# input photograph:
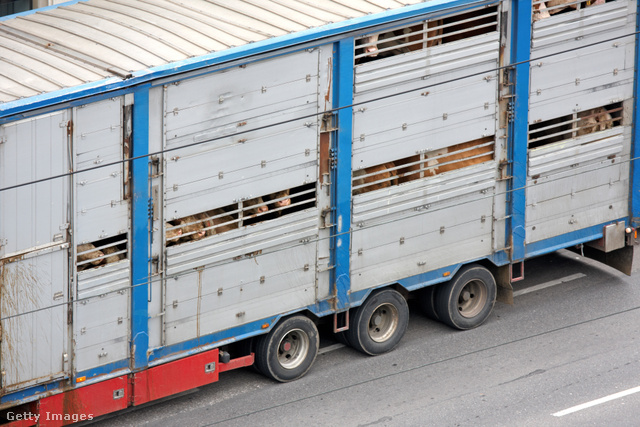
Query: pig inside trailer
{"points": [[219, 209]]}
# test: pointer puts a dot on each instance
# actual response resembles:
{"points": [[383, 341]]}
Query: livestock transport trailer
{"points": [[189, 187]]}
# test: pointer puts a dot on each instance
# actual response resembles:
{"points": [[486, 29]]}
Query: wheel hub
{"points": [[293, 348], [383, 322], [377, 320], [472, 298]]}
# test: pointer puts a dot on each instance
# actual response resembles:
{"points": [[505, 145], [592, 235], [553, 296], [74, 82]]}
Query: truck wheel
{"points": [[427, 300], [288, 351], [466, 300], [379, 324]]}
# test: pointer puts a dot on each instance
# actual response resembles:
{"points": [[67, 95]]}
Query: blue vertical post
{"points": [[140, 230], [343, 99], [520, 54], [635, 143]]}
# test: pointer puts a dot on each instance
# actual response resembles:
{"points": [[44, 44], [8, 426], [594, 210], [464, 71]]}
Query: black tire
{"points": [[427, 301], [466, 301], [378, 325], [288, 351]]}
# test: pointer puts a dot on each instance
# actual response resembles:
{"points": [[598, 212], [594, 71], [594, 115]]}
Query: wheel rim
{"points": [[383, 322], [472, 298], [293, 348]]}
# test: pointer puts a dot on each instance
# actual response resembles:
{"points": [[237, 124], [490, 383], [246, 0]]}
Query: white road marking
{"points": [[597, 402], [330, 348], [548, 284]]}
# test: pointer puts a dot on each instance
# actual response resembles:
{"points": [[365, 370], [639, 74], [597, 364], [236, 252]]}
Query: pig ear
{"points": [[179, 231]]}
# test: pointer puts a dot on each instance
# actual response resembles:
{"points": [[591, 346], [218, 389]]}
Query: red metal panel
{"points": [[84, 403], [174, 377], [93, 400]]}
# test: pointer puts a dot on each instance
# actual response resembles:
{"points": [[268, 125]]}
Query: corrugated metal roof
{"points": [[92, 40]]}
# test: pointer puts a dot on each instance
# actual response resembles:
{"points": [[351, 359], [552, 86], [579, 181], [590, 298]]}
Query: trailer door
{"points": [[34, 290], [426, 116], [235, 140]]}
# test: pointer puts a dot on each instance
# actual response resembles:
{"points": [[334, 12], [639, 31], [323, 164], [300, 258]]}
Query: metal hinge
{"points": [[155, 167], [327, 268], [150, 208], [327, 123], [326, 217], [510, 111], [333, 158]]}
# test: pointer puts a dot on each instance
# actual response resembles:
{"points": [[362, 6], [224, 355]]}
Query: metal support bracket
{"points": [[341, 321]]}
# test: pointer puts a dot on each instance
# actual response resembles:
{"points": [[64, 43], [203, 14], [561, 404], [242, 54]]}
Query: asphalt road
{"points": [[567, 353]]}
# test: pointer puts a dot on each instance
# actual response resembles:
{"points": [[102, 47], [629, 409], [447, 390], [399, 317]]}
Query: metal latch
{"points": [[326, 217]]}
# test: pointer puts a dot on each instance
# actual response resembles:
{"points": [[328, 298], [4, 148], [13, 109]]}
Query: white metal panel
{"points": [[577, 183], [403, 230], [101, 327], [423, 120], [104, 279], [587, 24], [574, 212], [580, 178], [100, 208], [201, 295], [421, 244], [416, 123], [240, 291], [394, 228], [581, 80], [450, 187], [101, 315], [478, 53], [582, 59], [218, 178], [562, 155], [242, 98], [265, 236], [34, 215], [605, 186], [34, 318], [266, 157]]}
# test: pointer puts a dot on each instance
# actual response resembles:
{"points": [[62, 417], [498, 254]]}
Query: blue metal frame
{"points": [[343, 99], [120, 366], [634, 195], [217, 339], [32, 393], [520, 55], [140, 230], [40, 9]]}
